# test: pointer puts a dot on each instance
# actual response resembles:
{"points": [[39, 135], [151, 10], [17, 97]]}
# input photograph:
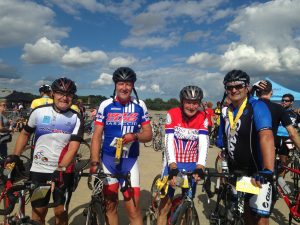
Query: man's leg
{"points": [[112, 209], [39, 214], [163, 210], [134, 211], [61, 216]]}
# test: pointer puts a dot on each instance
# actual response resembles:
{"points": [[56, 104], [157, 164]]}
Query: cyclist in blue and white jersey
{"points": [[247, 127], [121, 116], [58, 132]]}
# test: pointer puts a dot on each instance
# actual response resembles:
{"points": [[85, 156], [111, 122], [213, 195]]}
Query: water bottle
{"points": [[224, 165], [285, 187]]}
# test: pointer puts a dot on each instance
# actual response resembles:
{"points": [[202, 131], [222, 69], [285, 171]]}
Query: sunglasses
{"points": [[285, 100], [62, 94], [236, 87]]}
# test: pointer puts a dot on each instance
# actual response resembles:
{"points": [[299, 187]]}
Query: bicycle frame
{"points": [[293, 204]]}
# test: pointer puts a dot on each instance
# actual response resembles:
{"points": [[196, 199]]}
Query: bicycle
{"points": [[229, 209], [95, 212], [11, 194], [182, 211], [158, 138], [292, 201]]}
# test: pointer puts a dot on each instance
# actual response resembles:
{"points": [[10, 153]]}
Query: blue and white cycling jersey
{"points": [[119, 119]]}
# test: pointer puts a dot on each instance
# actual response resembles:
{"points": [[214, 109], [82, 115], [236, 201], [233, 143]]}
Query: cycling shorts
{"points": [[126, 165], [281, 147], [261, 204], [187, 167], [63, 197]]}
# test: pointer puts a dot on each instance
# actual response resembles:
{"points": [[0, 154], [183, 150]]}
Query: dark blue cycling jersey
{"points": [[243, 144]]}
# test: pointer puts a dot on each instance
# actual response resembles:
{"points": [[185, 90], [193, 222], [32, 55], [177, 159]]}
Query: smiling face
{"points": [[123, 90], [236, 92], [62, 100], [190, 107]]}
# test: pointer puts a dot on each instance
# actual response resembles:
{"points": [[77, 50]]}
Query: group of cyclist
{"points": [[247, 130]]}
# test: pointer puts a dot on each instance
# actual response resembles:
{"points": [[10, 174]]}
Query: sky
{"points": [[169, 44]]}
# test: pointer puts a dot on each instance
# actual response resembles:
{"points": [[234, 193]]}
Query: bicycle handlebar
{"points": [[12, 196]]}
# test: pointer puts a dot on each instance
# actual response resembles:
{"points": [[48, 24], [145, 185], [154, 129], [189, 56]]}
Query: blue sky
{"points": [[170, 44]]}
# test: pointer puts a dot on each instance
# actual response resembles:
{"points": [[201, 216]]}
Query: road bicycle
{"points": [[95, 212], [292, 201], [183, 211], [158, 134], [16, 189]]}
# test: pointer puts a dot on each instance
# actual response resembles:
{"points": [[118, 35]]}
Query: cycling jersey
{"points": [[295, 118], [53, 132], [186, 141], [243, 144], [45, 100], [119, 119]]}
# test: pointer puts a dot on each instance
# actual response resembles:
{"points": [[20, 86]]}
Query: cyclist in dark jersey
{"points": [[280, 116], [247, 125], [58, 131]]}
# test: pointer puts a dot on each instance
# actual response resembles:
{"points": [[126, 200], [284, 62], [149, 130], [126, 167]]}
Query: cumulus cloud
{"points": [[122, 61], [104, 79], [194, 36], [43, 51], [204, 59], [24, 21], [75, 57], [148, 41], [141, 87], [7, 71], [156, 88]]}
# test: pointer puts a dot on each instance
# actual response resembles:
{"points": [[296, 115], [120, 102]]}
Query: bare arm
{"points": [[266, 142], [146, 134], [70, 154], [294, 136], [96, 143], [21, 142]]}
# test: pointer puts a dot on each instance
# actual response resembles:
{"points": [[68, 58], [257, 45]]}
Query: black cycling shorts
{"points": [[63, 197]]}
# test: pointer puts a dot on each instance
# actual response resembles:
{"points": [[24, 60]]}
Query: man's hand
{"points": [[94, 165], [130, 137], [262, 177], [15, 159], [172, 176], [198, 174]]}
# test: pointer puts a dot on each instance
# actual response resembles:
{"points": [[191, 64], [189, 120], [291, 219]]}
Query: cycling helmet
{"points": [[236, 75], [124, 74], [45, 88], [191, 93], [64, 85]]}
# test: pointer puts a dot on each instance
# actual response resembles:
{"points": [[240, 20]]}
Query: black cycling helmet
{"points": [[236, 75], [64, 85], [124, 74], [45, 88], [191, 93]]}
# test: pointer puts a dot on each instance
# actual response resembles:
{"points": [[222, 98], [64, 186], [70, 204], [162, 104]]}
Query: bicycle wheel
{"points": [[95, 215], [295, 176], [188, 215], [157, 143], [82, 157], [155, 195]]}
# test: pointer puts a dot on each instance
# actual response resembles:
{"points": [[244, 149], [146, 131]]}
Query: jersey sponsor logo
{"points": [[114, 108], [186, 133], [46, 119], [122, 117], [233, 139]]}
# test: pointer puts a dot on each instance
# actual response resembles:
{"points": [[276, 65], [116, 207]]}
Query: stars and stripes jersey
{"points": [[186, 141], [119, 119], [53, 132]]}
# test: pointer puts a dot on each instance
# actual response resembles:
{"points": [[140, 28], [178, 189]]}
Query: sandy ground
{"points": [[150, 164]]}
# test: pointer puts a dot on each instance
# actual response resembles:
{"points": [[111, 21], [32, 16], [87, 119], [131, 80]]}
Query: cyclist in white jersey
{"points": [[58, 132]]}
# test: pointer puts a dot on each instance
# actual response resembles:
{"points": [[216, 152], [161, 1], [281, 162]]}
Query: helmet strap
{"points": [[136, 95]]}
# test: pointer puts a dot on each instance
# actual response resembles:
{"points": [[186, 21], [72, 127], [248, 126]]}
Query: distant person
{"points": [[45, 97], [81, 107], [5, 128], [210, 116], [283, 134]]}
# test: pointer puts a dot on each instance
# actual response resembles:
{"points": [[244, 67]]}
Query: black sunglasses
{"points": [[237, 87], [285, 100]]}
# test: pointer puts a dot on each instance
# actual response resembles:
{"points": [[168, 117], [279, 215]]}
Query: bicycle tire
{"points": [[82, 157], [295, 176], [29, 222], [155, 195], [95, 214], [157, 144], [187, 215]]}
